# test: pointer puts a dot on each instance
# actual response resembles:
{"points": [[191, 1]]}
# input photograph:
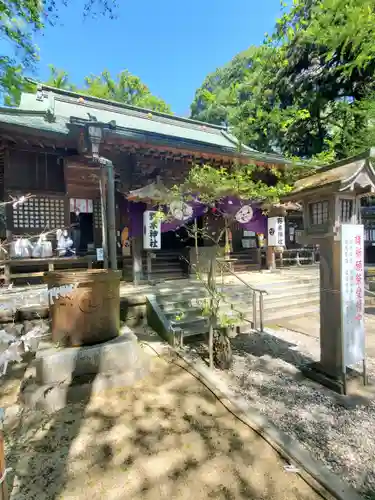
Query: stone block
{"points": [[54, 397], [61, 365]]}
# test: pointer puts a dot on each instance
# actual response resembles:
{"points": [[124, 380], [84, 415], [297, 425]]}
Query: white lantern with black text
{"points": [[276, 232], [151, 230]]}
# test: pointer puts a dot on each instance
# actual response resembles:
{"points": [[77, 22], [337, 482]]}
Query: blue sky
{"points": [[171, 45]]}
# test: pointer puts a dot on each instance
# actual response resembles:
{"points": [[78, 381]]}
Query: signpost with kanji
{"points": [[331, 203], [276, 231], [352, 295], [151, 230]]}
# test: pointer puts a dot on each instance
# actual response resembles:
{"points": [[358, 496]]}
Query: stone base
{"points": [[62, 365], [354, 379], [62, 376], [55, 397]]}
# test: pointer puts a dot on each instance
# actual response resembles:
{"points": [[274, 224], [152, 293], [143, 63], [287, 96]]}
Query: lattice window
{"points": [[319, 212], [346, 210], [40, 213]]}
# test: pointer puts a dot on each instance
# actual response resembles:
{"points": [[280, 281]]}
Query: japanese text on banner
{"points": [[352, 293]]}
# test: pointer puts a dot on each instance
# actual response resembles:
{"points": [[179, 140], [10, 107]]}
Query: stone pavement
{"points": [[309, 325], [166, 438]]}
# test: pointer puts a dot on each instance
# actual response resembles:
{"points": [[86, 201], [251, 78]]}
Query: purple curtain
{"points": [[246, 213], [197, 209], [135, 211]]}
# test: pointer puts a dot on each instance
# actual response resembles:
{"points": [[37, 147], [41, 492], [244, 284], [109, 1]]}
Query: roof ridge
{"points": [[17, 111], [119, 105], [350, 159]]}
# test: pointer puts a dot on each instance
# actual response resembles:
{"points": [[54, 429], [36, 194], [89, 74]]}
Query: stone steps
{"points": [[289, 295]]}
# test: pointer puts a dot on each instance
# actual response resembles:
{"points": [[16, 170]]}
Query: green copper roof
{"points": [[36, 121], [52, 110]]}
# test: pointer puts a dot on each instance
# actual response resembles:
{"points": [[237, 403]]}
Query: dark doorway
{"points": [[182, 237], [82, 231]]}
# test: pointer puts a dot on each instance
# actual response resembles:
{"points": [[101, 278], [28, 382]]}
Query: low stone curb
{"points": [[314, 473]]}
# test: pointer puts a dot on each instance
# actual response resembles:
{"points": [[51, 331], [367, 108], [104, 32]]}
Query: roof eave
{"points": [[119, 105], [299, 196]]}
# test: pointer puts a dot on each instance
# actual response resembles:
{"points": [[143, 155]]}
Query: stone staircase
{"points": [[246, 260], [176, 307], [167, 265]]}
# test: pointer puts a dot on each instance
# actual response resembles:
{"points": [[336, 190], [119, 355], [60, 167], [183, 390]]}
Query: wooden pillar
{"points": [[271, 258], [137, 247]]}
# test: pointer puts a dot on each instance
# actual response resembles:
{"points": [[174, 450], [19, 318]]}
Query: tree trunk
{"points": [[211, 281], [211, 342], [222, 350]]}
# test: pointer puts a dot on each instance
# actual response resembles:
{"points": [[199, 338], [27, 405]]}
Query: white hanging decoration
{"points": [[244, 214], [6, 338], [181, 211]]}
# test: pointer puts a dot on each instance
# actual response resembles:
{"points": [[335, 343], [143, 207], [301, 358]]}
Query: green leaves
{"points": [[300, 92], [242, 181], [127, 88], [19, 21]]}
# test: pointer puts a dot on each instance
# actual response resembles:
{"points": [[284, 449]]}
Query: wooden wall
{"points": [[40, 174], [34, 171]]}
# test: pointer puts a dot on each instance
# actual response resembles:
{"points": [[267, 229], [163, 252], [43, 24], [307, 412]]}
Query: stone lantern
{"points": [[331, 198]]}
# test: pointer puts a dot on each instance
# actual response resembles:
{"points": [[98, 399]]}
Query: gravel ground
{"points": [[167, 437], [265, 373]]}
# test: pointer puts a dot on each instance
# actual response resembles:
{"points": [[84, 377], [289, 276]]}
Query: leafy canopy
{"points": [[246, 182], [127, 88], [307, 90], [19, 20]]}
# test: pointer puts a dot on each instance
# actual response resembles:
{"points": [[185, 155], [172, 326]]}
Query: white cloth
{"points": [[21, 248], [64, 243]]}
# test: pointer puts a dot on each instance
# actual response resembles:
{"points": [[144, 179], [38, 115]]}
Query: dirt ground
{"points": [[165, 438]]}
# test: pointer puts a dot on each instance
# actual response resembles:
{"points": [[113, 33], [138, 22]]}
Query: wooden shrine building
{"points": [[42, 154]]}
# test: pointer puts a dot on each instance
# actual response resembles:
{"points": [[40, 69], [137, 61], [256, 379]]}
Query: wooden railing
{"points": [[297, 257], [34, 269]]}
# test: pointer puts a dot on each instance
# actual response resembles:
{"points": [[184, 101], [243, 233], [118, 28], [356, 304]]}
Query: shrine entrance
{"points": [[182, 237]]}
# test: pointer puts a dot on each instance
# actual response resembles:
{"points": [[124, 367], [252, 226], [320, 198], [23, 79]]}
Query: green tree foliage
{"points": [[308, 90], [127, 89], [19, 20], [59, 79], [246, 182]]}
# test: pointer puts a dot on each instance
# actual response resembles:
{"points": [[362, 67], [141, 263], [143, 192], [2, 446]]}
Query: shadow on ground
{"points": [[267, 373], [167, 437]]}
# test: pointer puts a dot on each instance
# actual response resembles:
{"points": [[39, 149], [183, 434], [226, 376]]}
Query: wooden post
{"points": [[103, 206], [137, 258], [149, 266], [4, 494], [111, 216], [196, 240], [227, 247], [7, 273]]}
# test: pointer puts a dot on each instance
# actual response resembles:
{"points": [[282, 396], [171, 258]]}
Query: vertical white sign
{"points": [[352, 293], [151, 231], [276, 232], [99, 254]]}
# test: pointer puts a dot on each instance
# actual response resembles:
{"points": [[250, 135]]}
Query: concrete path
{"points": [[310, 325], [167, 438]]}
